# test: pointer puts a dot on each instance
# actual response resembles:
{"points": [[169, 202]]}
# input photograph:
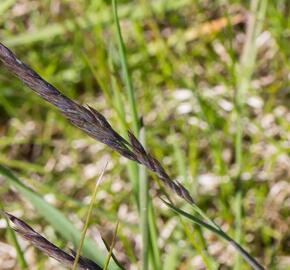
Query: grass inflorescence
{"points": [[90, 121], [49, 249], [95, 124]]}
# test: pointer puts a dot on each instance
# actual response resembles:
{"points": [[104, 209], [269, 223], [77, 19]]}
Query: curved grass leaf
{"points": [[251, 261]]}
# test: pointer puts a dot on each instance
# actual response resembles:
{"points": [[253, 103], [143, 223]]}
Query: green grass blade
{"points": [[86, 226], [154, 249], [125, 71], [138, 172], [111, 247], [249, 259], [132, 167], [143, 203], [5, 5], [171, 259], [57, 220]]}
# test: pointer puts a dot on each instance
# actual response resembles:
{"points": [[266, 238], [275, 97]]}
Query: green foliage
{"points": [[216, 117]]}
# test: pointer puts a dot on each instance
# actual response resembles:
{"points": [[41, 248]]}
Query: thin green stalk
{"points": [[125, 71], [111, 247], [143, 204], [83, 234], [135, 171], [155, 253], [133, 168], [244, 74]]}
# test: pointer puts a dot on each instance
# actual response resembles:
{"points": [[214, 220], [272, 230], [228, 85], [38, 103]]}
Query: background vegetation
{"points": [[215, 106]]}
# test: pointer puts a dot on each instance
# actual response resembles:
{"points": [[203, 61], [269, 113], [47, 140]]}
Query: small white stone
{"points": [[184, 108], [226, 105], [208, 182], [50, 198], [182, 94], [255, 102]]}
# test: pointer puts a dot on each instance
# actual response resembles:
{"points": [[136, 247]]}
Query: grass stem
{"points": [[125, 70], [111, 247], [143, 204], [89, 214]]}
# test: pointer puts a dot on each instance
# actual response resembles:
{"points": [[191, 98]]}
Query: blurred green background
{"points": [[197, 89]]}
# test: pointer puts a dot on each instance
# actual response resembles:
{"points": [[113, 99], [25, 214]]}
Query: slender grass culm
{"points": [[111, 247], [95, 125], [89, 214], [137, 172]]}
